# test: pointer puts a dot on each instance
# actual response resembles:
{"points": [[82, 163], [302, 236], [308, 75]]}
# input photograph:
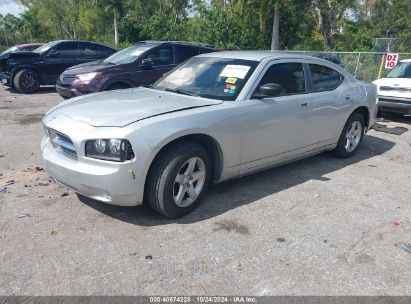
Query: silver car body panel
{"points": [[252, 134]]}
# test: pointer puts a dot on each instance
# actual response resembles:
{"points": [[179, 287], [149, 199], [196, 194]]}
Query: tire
{"points": [[116, 86], [171, 173], [26, 81], [351, 136]]}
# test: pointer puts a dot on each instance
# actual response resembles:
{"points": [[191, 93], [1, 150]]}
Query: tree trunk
{"points": [[115, 29], [275, 39], [320, 22]]}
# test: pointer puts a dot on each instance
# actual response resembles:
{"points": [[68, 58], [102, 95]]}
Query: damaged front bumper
{"points": [[108, 182], [5, 78], [116, 183]]}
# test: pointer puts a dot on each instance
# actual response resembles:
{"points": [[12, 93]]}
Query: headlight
{"points": [[118, 150], [88, 76]]}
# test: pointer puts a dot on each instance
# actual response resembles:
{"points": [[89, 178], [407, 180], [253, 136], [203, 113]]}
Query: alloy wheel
{"points": [[29, 81], [353, 136], [189, 182]]}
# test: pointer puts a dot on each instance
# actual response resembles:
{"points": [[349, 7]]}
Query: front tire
{"points": [[116, 86], [26, 81], [178, 179], [351, 136]]}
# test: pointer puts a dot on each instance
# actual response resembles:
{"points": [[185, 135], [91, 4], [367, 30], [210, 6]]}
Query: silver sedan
{"points": [[216, 117]]}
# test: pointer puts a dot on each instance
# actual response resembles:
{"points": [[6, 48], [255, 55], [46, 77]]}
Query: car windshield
{"points": [[9, 50], [401, 70], [45, 47], [129, 54], [209, 77]]}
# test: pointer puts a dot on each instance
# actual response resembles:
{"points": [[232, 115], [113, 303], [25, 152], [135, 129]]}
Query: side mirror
{"points": [[270, 90], [146, 64], [53, 53]]}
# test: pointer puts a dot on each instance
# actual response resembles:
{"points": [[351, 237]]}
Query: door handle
{"points": [[305, 103], [348, 98]]}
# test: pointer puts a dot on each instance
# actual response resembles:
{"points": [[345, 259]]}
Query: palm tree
{"points": [[275, 38], [117, 8], [265, 10]]}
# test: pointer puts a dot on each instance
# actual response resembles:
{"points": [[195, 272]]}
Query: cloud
{"points": [[11, 7]]}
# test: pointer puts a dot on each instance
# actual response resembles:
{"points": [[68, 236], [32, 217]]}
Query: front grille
{"points": [[399, 89], [395, 100], [62, 143]]}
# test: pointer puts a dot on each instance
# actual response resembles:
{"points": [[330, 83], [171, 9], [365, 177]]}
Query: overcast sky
{"points": [[10, 7]]}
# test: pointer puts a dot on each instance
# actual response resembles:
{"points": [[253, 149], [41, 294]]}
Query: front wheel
{"points": [[351, 136], [178, 179], [26, 81]]}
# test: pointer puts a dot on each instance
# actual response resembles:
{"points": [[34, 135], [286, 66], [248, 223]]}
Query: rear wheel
{"points": [[178, 179], [26, 81], [351, 136]]}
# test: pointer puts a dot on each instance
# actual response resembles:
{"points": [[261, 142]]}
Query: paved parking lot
{"points": [[320, 226]]}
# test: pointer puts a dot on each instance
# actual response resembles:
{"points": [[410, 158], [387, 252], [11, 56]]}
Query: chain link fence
{"points": [[367, 66]]}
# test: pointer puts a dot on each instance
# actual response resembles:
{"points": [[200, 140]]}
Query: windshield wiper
{"points": [[181, 91]]}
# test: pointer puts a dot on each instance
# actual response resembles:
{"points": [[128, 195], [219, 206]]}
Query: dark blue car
{"points": [[140, 64]]}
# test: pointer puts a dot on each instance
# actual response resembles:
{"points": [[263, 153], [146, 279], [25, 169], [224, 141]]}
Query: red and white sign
{"points": [[391, 60]]}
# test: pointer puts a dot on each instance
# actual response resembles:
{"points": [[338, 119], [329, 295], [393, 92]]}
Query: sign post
{"points": [[391, 60]]}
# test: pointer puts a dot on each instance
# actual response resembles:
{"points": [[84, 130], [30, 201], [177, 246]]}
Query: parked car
{"points": [[26, 71], [29, 47], [216, 117], [394, 90], [140, 64]]}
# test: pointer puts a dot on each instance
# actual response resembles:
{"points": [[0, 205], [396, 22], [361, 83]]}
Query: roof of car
{"points": [[256, 55], [28, 44], [68, 40], [178, 42]]}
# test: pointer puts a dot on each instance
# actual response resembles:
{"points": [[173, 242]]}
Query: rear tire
{"points": [[178, 179], [26, 81], [351, 136]]}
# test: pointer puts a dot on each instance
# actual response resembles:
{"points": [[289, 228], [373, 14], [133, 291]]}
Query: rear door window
{"points": [[67, 49], [289, 75], [185, 52], [89, 50], [105, 51], [324, 78]]}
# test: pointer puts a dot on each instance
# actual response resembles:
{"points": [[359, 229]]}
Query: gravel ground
{"points": [[320, 226]]}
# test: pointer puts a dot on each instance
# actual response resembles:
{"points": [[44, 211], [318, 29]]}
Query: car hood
{"points": [[16, 55], [84, 68], [393, 82], [123, 107]]}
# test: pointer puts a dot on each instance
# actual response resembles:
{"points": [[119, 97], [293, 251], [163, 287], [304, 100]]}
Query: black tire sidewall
{"points": [[340, 151], [165, 180], [21, 87]]}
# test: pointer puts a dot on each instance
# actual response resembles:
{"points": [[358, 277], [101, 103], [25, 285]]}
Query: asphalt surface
{"points": [[320, 226]]}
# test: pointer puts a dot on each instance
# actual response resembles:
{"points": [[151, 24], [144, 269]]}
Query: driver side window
{"points": [[161, 56], [290, 76]]}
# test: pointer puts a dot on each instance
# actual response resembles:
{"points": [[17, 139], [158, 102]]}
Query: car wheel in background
{"points": [[351, 136], [26, 81], [178, 179], [117, 86]]}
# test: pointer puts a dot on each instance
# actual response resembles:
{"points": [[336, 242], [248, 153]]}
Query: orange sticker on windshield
{"points": [[231, 80]]}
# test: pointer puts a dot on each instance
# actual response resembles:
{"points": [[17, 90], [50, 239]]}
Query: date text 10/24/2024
{"points": [[203, 299]]}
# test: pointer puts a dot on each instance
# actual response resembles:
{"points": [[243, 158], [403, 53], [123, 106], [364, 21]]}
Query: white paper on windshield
{"points": [[137, 53], [236, 71], [180, 77]]}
